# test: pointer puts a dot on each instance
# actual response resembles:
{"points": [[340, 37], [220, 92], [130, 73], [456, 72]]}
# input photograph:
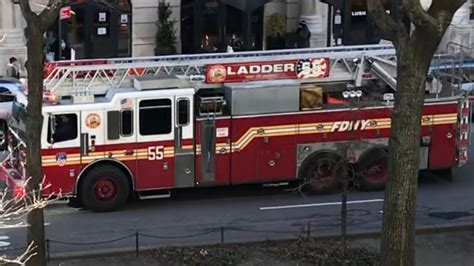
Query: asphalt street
{"points": [[246, 213]]}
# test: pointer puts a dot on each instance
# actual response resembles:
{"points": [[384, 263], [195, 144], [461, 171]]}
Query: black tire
{"points": [[104, 188], [372, 170], [319, 173], [446, 174], [74, 202]]}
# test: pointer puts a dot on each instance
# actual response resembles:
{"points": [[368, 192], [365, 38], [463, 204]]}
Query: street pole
{"points": [[59, 35], [329, 26]]}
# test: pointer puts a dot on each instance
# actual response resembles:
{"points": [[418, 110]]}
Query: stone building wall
{"points": [[11, 35], [144, 17]]}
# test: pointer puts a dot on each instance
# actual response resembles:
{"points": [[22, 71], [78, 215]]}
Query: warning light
{"points": [[51, 98], [19, 192]]}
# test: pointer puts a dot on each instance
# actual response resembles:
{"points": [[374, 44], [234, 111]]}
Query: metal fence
{"points": [[218, 232]]}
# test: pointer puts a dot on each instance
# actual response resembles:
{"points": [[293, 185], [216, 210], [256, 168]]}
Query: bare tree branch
{"points": [[14, 208], [387, 25], [44, 19], [443, 11], [49, 14], [22, 259], [417, 14], [29, 15], [438, 6]]}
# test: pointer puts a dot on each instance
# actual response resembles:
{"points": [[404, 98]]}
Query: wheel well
{"points": [[314, 155], [100, 163], [371, 150]]}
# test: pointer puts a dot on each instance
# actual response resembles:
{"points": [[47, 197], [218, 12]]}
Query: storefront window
{"points": [[211, 25]]}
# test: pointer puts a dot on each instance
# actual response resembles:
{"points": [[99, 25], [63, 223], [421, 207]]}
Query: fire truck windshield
{"points": [[17, 119]]}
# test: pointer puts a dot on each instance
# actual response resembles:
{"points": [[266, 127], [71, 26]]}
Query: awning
{"points": [[245, 5]]}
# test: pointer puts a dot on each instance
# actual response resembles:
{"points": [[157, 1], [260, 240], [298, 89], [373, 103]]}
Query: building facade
{"points": [[123, 28], [213, 22]]}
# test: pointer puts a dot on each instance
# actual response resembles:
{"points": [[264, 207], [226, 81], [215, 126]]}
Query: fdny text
{"points": [[350, 125]]}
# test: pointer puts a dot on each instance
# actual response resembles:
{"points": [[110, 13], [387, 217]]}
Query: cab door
{"points": [[61, 150], [155, 142], [92, 136], [184, 144]]}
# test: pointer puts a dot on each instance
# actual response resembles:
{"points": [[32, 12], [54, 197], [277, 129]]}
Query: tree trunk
{"points": [[398, 241], [34, 121]]}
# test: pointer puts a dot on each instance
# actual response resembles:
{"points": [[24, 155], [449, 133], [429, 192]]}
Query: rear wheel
{"points": [[319, 173], [372, 170], [104, 188]]}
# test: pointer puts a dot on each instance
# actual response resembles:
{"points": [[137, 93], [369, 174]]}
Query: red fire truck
{"points": [[146, 126]]}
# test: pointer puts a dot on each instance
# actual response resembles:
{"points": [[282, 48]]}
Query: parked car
{"points": [[11, 90]]}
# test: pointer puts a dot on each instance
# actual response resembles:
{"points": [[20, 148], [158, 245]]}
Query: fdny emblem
{"points": [[61, 158], [93, 121], [216, 74], [320, 127]]}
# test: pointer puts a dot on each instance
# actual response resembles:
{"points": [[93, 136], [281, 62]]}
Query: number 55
{"points": [[155, 153]]}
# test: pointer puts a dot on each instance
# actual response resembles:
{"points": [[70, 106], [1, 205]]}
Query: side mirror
{"points": [[3, 134], [52, 127]]}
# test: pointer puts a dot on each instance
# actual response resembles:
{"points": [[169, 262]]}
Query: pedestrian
{"points": [[52, 47], [235, 43], [12, 68], [65, 51], [229, 49], [303, 35], [432, 85]]}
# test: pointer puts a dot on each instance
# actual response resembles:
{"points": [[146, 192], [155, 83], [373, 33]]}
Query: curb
{"points": [[355, 235]]}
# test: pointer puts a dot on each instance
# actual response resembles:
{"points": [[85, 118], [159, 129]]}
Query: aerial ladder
{"points": [[351, 64]]}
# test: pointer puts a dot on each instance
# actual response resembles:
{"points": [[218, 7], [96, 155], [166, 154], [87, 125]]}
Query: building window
{"points": [[126, 122], [62, 128], [155, 117]]}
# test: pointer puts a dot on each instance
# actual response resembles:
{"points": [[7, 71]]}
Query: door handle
{"points": [[178, 137], [84, 144]]}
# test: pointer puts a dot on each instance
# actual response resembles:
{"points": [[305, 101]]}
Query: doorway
{"points": [[209, 25], [97, 29]]}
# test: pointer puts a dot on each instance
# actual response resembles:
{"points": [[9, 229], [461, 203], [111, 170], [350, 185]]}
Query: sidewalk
{"points": [[440, 249]]}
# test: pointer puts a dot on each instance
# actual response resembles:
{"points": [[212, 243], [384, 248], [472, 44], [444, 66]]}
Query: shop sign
{"points": [[65, 12], [283, 69]]}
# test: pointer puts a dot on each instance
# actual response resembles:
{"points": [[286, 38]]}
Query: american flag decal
{"points": [[126, 103], [312, 68]]}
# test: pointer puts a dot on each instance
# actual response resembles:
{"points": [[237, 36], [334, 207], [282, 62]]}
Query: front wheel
{"points": [[104, 188]]}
